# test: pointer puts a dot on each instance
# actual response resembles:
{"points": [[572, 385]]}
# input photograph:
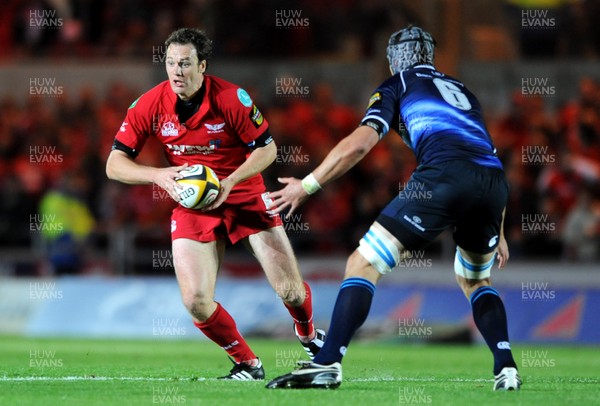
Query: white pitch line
{"points": [[173, 380], [149, 379], [92, 378]]}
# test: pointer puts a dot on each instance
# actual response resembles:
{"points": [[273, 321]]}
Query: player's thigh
{"points": [[274, 252], [480, 220], [423, 209], [196, 266]]}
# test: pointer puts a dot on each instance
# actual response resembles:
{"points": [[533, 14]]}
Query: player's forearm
{"points": [[347, 153], [122, 168], [257, 161]]}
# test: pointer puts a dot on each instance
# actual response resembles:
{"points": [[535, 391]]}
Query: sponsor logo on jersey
{"points": [[215, 128], [415, 221], [244, 97], [256, 116], [374, 99], [194, 149], [169, 130], [122, 129]]}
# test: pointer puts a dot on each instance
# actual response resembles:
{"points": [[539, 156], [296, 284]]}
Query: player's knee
{"points": [[468, 286], [471, 275], [200, 305], [379, 250]]}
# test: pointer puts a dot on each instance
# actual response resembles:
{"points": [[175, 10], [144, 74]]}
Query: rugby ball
{"points": [[200, 186]]}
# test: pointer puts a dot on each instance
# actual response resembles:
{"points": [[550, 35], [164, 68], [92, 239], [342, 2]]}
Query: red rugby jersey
{"points": [[217, 135]]}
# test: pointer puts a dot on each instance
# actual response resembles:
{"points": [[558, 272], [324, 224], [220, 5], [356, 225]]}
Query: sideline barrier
{"points": [[151, 308]]}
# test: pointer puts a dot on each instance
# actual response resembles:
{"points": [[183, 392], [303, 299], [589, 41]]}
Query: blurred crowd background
{"points": [[74, 132]]}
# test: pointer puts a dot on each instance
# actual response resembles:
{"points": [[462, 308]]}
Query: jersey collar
{"points": [[196, 118], [427, 66]]}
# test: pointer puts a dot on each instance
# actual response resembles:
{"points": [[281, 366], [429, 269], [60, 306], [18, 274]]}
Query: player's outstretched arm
{"points": [[347, 153], [120, 167]]}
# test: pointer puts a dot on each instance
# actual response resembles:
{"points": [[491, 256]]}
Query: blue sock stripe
{"points": [[474, 268], [359, 282], [483, 291], [380, 248]]}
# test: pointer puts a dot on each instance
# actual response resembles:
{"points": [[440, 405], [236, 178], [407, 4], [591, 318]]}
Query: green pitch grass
{"points": [[121, 372]]}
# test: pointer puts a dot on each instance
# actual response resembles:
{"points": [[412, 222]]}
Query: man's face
{"points": [[185, 72]]}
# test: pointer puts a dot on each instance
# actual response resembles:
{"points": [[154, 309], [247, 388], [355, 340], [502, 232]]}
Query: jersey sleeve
{"points": [[134, 130], [382, 110], [242, 115]]}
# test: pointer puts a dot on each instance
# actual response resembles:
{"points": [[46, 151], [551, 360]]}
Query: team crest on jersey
{"points": [[256, 116], [169, 130], [215, 128], [244, 97], [374, 99]]}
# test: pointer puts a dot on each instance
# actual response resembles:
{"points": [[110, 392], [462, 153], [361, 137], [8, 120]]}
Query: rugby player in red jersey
{"points": [[202, 119]]}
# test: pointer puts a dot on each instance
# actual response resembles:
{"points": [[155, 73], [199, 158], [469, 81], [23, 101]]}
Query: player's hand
{"points": [[291, 196], [225, 188], [166, 179], [502, 252]]}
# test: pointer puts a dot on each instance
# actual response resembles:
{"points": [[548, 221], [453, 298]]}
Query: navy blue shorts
{"points": [[460, 194]]}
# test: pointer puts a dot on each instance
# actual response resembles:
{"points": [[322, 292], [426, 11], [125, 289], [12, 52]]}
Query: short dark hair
{"points": [[195, 37]]}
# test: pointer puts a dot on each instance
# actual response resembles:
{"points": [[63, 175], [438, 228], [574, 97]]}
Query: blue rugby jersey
{"points": [[436, 115]]}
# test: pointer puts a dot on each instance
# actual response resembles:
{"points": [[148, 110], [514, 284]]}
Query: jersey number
{"points": [[452, 94]]}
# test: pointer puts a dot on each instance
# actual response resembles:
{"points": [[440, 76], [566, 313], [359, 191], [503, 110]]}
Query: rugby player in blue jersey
{"points": [[442, 122]]}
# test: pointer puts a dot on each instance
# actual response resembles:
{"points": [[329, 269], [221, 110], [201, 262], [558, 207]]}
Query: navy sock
{"points": [[350, 312], [490, 319]]}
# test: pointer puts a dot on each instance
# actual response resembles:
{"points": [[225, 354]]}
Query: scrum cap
{"points": [[408, 47]]}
